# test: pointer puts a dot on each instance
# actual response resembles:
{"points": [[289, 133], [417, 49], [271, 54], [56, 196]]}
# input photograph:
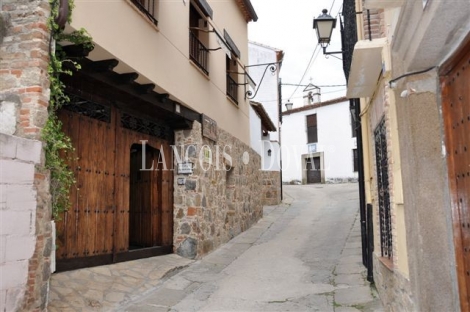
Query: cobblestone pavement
{"points": [[105, 288], [303, 255]]}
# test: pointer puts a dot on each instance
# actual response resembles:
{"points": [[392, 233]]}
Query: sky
{"points": [[288, 25]]}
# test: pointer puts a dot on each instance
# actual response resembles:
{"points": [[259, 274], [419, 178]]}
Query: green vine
{"points": [[58, 146]]}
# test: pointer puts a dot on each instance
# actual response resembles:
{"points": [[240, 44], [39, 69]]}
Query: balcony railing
{"points": [[198, 53], [232, 89], [147, 7]]}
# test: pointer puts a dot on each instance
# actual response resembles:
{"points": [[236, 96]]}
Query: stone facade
{"points": [[24, 98], [222, 197], [271, 187], [394, 289]]}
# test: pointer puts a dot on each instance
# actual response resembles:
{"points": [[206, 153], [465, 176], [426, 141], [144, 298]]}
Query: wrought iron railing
{"points": [[198, 53], [232, 89], [148, 8], [386, 242]]}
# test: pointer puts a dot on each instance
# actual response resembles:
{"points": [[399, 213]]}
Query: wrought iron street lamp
{"points": [[324, 25], [289, 105]]}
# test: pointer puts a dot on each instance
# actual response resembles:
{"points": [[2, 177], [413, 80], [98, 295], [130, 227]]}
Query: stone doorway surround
{"points": [[304, 159]]}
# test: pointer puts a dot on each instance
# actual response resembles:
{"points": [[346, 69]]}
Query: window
{"points": [[198, 39], [148, 8], [381, 159], [232, 78], [355, 160], [312, 131], [353, 127]]}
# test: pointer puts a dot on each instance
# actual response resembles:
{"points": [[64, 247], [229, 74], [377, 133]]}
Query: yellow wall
{"points": [[161, 56]]}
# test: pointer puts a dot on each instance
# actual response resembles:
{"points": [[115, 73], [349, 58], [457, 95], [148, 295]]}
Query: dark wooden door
{"points": [[144, 212], [97, 228], [455, 83], [313, 170]]}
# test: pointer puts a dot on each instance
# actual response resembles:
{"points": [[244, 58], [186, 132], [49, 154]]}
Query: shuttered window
{"points": [[312, 130]]}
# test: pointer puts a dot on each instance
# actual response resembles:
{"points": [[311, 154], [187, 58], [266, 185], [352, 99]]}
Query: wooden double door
{"points": [[121, 205], [455, 82]]}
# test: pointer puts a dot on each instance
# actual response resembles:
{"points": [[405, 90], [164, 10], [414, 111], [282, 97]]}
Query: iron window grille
{"points": [[355, 160], [198, 53], [232, 89], [146, 126], [148, 8], [386, 245], [87, 108]]}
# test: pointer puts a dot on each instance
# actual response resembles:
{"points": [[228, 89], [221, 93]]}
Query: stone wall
{"points": [[18, 240], [271, 187], [219, 200], [394, 289], [24, 97]]}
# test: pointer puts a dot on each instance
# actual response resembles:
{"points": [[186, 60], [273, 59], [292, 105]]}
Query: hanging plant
{"points": [[58, 146]]}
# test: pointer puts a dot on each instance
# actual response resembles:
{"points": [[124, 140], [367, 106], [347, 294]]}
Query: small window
{"points": [[353, 127], [198, 39], [312, 131], [355, 160], [232, 78], [148, 8]]}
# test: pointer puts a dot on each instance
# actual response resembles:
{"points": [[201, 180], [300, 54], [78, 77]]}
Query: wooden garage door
{"points": [[455, 82], [97, 225]]}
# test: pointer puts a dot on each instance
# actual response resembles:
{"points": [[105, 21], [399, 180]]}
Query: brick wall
{"points": [[24, 203]]}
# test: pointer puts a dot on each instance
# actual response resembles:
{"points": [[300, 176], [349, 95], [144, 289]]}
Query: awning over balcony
{"points": [[365, 68]]}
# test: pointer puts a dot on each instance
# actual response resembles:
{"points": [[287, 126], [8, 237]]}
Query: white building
{"points": [[318, 143], [266, 77], [264, 67]]}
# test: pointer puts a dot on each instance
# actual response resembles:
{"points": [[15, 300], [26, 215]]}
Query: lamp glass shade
{"points": [[289, 105], [324, 25]]}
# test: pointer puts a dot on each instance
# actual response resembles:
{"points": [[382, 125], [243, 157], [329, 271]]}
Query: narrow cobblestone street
{"points": [[304, 255]]}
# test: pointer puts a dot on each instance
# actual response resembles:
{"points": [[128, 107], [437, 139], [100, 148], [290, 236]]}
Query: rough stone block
{"points": [[13, 299], [29, 150], [3, 240], [19, 248], [8, 112], [16, 222], [13, 274], [7, 146], [15, 172], [188, 248], [20, 197]]}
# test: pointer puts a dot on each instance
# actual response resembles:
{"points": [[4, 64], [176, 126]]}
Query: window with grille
{"points": [[312, 130], [232, 78], [353, 127], [198, 38], [381, 159], [148, 8], [355, 160]]}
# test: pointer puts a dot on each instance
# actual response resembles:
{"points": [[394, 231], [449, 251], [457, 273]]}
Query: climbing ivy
{"points": [[59, 150]]}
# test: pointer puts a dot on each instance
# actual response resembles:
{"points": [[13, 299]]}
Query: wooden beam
{"points": [[126, 78], [78, 50], [104, 65], [144, 88]]}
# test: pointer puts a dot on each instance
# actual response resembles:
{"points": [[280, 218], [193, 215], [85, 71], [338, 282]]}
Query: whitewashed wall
{"points": [[334, 140], [255, 132], [268, 91], [268, 96]]}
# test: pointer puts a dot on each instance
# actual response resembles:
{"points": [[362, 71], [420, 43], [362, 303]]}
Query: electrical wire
{"points": [[312, 58], [320, 86]]}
